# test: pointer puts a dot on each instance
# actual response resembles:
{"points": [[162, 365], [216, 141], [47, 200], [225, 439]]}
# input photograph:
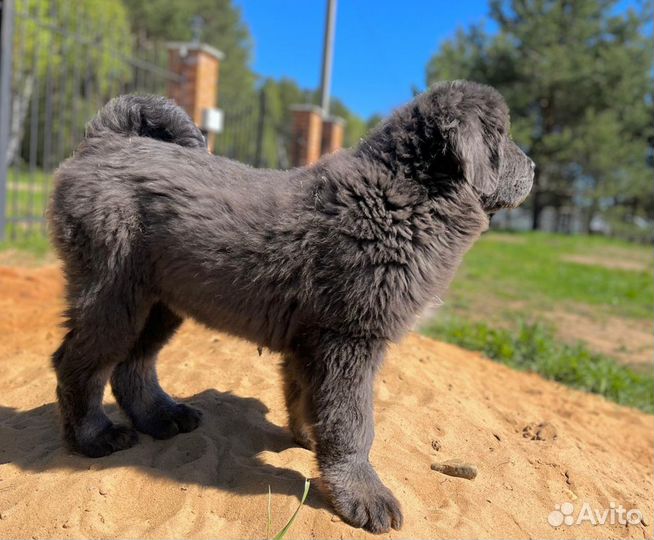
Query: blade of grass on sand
{"points": [[280, 535], [269, 525]]}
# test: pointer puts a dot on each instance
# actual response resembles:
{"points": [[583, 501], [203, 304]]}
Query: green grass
{"points": [[37, 245], [27, 197], [282, 533], [534, 348], [531, 268]]}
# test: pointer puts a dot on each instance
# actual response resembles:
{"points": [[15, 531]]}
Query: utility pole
{"points": [[327, 57]]}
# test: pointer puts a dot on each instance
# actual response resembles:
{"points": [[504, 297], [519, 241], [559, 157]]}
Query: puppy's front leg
{"points": [[341, 372]]}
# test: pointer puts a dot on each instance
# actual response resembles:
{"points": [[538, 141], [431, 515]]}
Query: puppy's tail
{"points": [[146, 116]]}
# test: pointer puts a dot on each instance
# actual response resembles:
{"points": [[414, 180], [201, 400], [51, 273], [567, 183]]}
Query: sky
{"points": [[381, 51]]}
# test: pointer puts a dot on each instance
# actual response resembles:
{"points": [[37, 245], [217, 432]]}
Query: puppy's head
{"points": [[471, 124], [455, 132]]}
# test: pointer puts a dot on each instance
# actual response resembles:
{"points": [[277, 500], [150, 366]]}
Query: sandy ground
{"points": [[434, 402]]}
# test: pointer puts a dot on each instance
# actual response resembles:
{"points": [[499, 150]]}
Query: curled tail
{"points": [[146, 116]]}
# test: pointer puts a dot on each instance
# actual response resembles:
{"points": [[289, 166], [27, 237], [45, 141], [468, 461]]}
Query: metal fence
{"points": [[59, 63], [254, 135]]}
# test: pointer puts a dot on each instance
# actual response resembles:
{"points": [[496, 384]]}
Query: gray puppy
{"points": [[325, 264]]}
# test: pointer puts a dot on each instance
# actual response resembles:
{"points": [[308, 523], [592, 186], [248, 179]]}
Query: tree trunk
{"points": [[19, 106], [536, 210], [536, 202]]}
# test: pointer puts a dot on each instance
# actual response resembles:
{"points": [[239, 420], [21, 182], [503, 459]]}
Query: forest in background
{"points": [[65, 60], [224, 29], [578, 77]]}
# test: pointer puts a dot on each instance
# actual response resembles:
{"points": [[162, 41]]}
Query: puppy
{"points": [[325, 264]]}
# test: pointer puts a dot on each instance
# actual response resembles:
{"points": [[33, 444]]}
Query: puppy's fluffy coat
{"points": [[325, 264]]}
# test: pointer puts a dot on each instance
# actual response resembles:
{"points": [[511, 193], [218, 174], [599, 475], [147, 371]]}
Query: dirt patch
{"points": [[629, 341], [25, 259], [612, 264], [214, 481], [544, 431]]}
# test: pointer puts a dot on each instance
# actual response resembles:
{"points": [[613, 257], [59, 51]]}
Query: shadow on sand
{"points": [[222, 453]]}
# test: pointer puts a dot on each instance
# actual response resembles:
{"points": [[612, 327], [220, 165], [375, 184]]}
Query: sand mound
{"points": [[535, 444]]}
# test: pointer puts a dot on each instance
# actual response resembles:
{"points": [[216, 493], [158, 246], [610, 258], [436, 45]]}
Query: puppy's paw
{"points": [[167, 422], [376, 512], [187, 418], [111, 439], [360, 498]]}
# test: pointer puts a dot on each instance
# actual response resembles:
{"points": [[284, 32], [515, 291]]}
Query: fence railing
{"points": [[254, 135], [60, 62], [64, 64]]}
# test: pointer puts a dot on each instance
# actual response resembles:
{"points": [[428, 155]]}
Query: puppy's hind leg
{"points": [[136, 386], [295, 396], [102, 327]]}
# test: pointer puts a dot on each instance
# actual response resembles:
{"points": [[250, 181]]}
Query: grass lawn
{"points": [[32, 250], [534, 347], [27, 199], [544, 270], [575, 309]]}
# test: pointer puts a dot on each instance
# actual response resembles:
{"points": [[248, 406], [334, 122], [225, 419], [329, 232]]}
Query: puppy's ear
{"points": [[478, 151]]}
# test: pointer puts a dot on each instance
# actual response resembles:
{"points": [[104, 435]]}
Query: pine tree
{"points": [[578, 78]]}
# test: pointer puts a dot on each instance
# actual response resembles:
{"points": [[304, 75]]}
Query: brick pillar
{"points": [[333, 128], [197, 65], [306, 135]]}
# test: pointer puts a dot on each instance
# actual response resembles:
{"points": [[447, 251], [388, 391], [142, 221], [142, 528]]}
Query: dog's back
{"points": [[72, 202], [129, 206]]}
